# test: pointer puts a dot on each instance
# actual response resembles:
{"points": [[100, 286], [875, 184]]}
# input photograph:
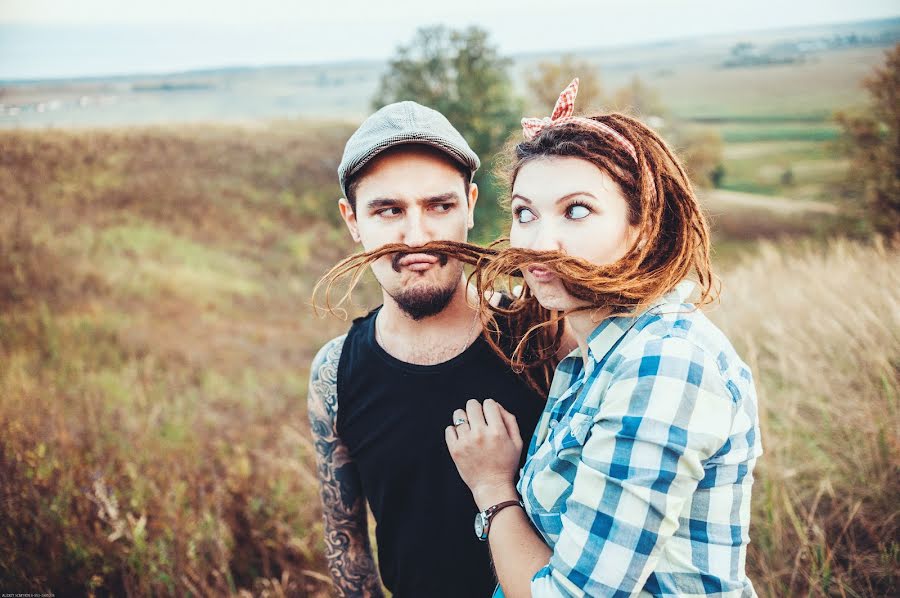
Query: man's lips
{"points": [[541, 274], [417, 261]]}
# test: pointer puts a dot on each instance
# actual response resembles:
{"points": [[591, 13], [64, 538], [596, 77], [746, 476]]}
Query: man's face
{"points": [[412, 195]]}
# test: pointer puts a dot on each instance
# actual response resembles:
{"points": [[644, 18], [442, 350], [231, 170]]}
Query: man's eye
{"points": [[389, 212], [524, 215], [577, 211], [443, 207]]}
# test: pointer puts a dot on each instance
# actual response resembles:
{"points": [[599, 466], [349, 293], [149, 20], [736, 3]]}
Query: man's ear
{"points": [[349, 217], [473, 199]]}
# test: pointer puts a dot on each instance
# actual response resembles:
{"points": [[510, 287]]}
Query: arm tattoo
{"points": [[347, 546]]}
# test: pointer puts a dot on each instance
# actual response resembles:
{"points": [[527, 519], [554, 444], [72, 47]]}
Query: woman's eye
{"points": [[577, 212], [524, 215]]}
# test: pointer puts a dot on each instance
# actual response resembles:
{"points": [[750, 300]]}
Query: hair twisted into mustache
{"points": [[535, 352], [532, 335], [352, 268]]}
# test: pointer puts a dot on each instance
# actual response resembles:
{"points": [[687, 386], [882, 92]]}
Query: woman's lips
{"points": [[541, 274]]}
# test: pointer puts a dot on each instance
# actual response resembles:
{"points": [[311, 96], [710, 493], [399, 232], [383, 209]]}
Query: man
{"points": [[379, 396]]}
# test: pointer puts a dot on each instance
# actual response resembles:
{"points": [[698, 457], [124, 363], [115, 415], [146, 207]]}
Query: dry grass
{"points": [[155, 340], [821, 332], [153, 356]]}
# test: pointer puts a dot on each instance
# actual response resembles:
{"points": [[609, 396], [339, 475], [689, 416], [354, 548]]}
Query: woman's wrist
{"points": [[489, 495]]}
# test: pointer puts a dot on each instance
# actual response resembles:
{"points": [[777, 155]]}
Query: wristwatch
{"points": [[483, 519]]}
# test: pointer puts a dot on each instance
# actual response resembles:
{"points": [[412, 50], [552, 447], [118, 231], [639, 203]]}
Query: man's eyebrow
{"points": [[383, 202], [390, 202], [443, 197]]}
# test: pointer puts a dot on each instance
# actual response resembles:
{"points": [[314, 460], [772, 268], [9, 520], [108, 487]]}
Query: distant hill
{"points": [[787, 73]]}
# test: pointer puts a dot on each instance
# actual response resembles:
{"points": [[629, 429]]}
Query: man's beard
{"points": [[422, 302]]}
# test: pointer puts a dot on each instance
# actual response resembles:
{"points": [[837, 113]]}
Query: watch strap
{"points": [[491, 511]]}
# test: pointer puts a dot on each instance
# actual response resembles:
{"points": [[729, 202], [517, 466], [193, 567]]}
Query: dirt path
{"points": [[783, 205]]}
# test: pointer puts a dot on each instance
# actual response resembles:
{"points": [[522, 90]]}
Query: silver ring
{"points": [[460, 421]]}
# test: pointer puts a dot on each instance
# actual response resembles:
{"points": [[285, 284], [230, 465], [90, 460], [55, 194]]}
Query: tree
{"points": [[550, 78], [717, 175], [638, 99], [699, 148], [462, 75], [872, 140]]}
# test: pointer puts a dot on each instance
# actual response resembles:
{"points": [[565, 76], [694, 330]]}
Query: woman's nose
{"points": [[546, 238]]}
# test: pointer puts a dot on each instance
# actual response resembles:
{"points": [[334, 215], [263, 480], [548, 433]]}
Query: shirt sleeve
{"points": [[665, 411]]}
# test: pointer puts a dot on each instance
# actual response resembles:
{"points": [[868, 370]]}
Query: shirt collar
{"points": [[609, 331]]}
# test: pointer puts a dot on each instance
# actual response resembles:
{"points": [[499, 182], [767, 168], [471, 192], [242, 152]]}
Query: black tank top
{"points": [[391, 416]]}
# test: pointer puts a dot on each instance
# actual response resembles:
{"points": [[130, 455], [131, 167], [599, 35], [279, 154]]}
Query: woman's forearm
{"points": [[517, 550]]}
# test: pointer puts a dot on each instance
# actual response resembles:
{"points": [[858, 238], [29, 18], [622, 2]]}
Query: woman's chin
{"points": [[554, 299]]}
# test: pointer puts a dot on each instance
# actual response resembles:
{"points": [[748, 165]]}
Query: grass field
{"points": [[153, 359], [155, 340], [798, 169], [819, 328]]}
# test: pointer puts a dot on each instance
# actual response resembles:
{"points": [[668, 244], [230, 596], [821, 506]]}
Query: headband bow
{"points": [[563, 113]]}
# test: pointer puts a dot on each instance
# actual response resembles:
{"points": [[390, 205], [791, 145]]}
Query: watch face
{"points": [[479, 525]]}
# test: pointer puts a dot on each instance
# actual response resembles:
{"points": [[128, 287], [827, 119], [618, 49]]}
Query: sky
{"points": [[69, 38]]}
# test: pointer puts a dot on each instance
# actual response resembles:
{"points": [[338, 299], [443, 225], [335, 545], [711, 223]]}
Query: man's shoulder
{"points": [[328, 355], [323, 374]]}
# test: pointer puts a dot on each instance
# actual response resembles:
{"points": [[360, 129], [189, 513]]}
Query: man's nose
{"points": [[418, 232]]}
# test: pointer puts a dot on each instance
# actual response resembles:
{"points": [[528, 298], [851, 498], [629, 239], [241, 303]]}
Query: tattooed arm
{"points": [[347, 545]]}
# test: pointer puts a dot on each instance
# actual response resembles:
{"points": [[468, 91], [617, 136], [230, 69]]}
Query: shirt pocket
{"points": [[571, 434], [549, 474]]}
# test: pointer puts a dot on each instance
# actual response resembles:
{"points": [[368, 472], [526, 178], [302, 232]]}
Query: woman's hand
{"points": [[486, 448]]}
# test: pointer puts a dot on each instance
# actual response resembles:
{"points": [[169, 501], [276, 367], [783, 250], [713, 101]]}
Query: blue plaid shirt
{"points": [[639, 472]]}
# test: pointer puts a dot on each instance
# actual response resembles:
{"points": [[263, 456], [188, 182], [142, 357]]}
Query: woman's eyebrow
{"points": [[569, 196], [560, 200]]}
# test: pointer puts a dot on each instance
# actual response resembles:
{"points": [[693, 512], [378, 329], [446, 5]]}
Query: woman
{"points": [[638, 477]]}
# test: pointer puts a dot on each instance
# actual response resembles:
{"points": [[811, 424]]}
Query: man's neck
{"points": [[430, 340]]}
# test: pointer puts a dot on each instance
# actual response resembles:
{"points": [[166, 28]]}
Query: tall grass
{"points": [[821, 332], [155, 340], [153, 355]]}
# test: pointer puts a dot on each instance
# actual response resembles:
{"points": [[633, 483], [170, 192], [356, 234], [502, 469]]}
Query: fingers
{"points": [[475, 415], [479, 418], [451, 437], [512, 426], [460, 421], [491, 409]]}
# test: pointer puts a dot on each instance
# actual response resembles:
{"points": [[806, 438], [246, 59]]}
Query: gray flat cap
{"points": [[398, 124]]}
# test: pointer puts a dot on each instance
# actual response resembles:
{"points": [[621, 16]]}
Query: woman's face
{"points": [[570, 205]]}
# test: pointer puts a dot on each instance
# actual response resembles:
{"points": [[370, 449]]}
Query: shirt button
{"points": [[553, 423]]}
